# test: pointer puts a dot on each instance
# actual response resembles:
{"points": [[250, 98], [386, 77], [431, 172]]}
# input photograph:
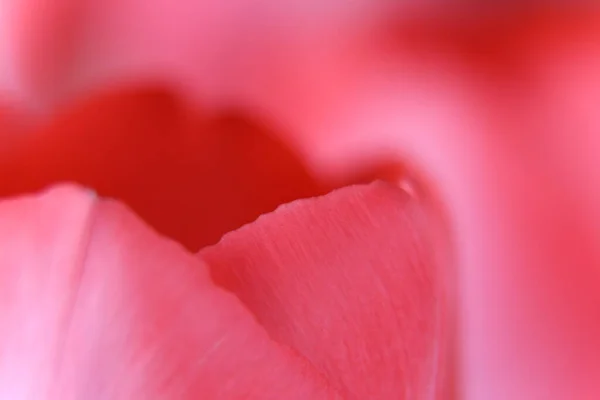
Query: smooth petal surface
{"points": [[42, 246], [354, 281], [97, 305]]}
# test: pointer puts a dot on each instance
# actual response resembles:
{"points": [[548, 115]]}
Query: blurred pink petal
{"points": [[212, 48]]}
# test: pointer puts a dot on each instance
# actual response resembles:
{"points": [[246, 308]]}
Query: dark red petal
{"points": [[353, 282], [96, 305], [10, 127], [192, 178]]}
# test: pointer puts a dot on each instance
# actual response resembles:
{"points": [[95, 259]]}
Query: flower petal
{"points": [[354, 282], [41, 247], [96, 305], [192, 177]]}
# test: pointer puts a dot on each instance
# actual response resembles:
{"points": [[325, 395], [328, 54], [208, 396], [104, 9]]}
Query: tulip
{"points": [[477, 280]]}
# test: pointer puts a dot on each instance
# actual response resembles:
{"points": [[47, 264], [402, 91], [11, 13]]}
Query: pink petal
{"points": [[354, 282], [96, 305], [42, 240]]}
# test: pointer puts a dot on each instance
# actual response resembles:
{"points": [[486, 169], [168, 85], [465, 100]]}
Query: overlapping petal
{"points": [[95, 303]]}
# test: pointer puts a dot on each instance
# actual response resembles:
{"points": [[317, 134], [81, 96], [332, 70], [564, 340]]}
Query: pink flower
{"points": [[355, 294]]}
